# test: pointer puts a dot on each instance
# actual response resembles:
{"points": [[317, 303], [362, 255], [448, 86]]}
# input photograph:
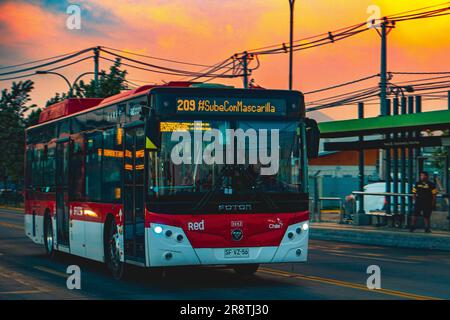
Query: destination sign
{"points": [[250, 106], [173, 126]]}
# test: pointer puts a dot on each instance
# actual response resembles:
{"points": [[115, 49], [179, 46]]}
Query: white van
{"points": [[374, 203]]}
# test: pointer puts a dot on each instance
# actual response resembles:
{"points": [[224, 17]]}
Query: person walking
{"points": [[424, 196]]}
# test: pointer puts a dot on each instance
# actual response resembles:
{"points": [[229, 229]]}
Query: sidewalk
{"points": [[382, 236]]}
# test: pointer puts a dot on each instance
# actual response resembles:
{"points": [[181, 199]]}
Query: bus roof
{"points": [[75, 105]]}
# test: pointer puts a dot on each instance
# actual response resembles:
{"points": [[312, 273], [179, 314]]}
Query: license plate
{"points": [[237, 253]]}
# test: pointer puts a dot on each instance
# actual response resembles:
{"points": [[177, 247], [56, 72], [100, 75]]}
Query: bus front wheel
{"points": [[246, 269], [112, 252]]}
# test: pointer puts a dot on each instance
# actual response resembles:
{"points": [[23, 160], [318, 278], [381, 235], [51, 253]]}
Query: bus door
{"points": [[133, 194], [62, 179]]}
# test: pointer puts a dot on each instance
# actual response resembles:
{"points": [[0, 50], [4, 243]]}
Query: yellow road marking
{"points": [[346, 284], [11, 225], [418, 258], [373, 258], [374, 254], [20, 292], [51, 271]]}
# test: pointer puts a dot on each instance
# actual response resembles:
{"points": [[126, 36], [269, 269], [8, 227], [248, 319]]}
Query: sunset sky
{"points": [[208, 31]]}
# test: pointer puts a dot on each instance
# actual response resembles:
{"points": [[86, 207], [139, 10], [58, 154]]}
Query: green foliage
{"points": [[56, 98], [33, 117], [13, 105], [16, 113], [110, 83]]}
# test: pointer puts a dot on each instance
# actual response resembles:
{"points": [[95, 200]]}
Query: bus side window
{"points": [[28, 167], [36, 175], [48, 166], [76, 179], [93, 166], [112, 165]]}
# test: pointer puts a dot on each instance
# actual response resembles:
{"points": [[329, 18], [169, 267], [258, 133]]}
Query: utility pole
{"points": [[245, 69], [361, 161], [383, 69], [291, 40], [386, 27], [96, 64]]}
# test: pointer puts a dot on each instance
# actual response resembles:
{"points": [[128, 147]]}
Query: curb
{"points": [[382, 238]]}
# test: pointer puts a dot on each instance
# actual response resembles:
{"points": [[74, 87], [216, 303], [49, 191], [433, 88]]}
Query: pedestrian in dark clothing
{"points": [[424, 200]]}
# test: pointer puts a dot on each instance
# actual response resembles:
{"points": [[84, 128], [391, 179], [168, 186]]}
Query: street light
{"points": [[78, 78], [65, 79], [58, 74], [291, 40]]}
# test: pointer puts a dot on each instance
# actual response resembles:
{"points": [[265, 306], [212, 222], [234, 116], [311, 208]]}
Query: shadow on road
{"points": [[169, 279]]}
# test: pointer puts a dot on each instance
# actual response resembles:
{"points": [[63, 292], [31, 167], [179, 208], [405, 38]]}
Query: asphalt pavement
{"points": [[334, 271]]}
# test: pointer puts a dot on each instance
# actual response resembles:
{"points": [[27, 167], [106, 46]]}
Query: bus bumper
{"points": [[176, 250]]}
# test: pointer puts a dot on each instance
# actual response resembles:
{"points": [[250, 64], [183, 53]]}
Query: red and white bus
{"points": [[101, 181]]}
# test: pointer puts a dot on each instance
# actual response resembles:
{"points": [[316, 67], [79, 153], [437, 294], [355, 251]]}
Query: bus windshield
{"points": [[228, 159]]}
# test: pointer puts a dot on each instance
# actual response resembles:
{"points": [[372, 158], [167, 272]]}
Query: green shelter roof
{"points": [[384, 124]]}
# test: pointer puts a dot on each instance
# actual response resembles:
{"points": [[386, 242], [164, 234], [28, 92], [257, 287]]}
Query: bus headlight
{"points": [[158, 229], [305, 226]]}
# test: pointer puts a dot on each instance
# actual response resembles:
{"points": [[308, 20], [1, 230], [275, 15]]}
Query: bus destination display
{"points": [[250, 106]]}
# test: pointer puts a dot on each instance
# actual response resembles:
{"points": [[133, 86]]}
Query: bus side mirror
{"points": [[153, 139], [312, 138]]}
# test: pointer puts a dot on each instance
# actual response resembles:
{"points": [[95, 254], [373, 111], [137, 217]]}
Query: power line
{"points": [[415, 10], [48, 63], [343, 84], [322, 100], [160, 59], [415, 73], [422, 79], [343, 33], [165, 70], [169, 72], [36, 61], [51, 69]]}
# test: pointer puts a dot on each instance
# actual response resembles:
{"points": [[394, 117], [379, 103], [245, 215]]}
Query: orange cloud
{"points": [[210, 31]]}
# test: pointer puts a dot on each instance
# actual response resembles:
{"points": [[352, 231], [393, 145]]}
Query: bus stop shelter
{"points": [[401, 139]]}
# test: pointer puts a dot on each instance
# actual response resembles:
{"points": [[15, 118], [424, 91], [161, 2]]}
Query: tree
{"points": [[109, 84], [13, 105], [56, 98], [33, 117]]}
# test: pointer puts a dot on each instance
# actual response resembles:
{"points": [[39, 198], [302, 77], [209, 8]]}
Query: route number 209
{"points": [[185, 105]]}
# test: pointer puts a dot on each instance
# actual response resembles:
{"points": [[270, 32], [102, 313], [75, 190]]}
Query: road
{"points": [[334, 271]]}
